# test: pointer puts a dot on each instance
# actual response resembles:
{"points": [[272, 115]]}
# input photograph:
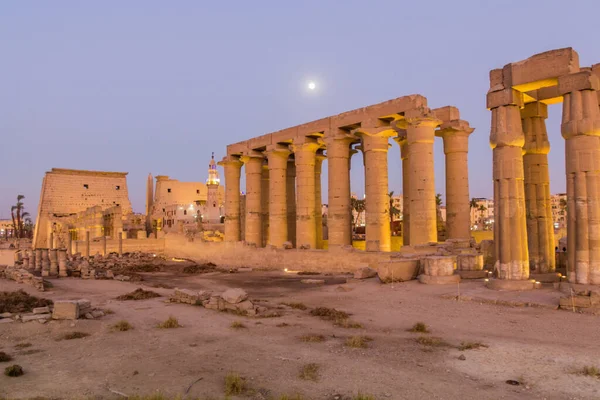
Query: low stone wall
{"points": [[129, 246], [236, 255]]}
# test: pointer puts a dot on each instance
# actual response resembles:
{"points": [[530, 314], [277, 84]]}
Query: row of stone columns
{"points": [[293, 196], [523, 229]]}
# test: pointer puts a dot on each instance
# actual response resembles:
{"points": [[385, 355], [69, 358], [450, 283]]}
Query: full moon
{"points": [[312, 85]]}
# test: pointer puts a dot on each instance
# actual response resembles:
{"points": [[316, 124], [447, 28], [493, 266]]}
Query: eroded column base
{"points": [[473, 274], [439, 279], [507, 284]]}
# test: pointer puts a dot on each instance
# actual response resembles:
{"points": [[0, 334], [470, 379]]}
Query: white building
{"points": [[482, 213]]}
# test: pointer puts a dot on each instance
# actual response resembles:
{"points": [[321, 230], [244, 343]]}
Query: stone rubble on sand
{"points": [[235, 300]]}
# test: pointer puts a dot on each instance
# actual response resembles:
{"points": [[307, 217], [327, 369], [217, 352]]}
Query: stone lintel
{"points": [[540, 70], [504, 97], [496, 80], [584, 80], [447, 113], [535, 109]]}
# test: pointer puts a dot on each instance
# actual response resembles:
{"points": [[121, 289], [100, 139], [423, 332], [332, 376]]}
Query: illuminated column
{"points": [[264, 204], [377, 202], [62, 263], [291, 200], [507, 140], [305, 152], [53, 256], [420, 135], [253, 165], [69, 243], [318, 200], [277, 157], [581, 129], [87, 244], [540, 227], [455, 135], [403, 143], [232, 167], [339, 214]]}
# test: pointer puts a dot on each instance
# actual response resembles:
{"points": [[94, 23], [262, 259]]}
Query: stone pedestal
{"points": [[549, 277], [253, 165], [339, 214], [62, 262], [438, 270], [305, 155], [232, 167], [277, 157], [540, 229], [469, 262], [53, 256]]}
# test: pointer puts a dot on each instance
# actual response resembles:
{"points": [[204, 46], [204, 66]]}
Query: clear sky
{"points": [[156, 86]]}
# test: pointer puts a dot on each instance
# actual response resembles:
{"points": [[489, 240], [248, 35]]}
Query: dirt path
{"points": [[536, 346]]}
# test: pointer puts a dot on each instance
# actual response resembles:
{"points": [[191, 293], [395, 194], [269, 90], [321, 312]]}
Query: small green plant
{"points": [[234, 384], [237, 325], [431, 341], [419, 327], [358, 342], [74, 335], [170, 323], [121, 326], [310, 372], [330, 314], [14, 370], [361, 396], [471, 346], [22, 345], [312, 338], [590, 371], [5, 357], [297, 306]]}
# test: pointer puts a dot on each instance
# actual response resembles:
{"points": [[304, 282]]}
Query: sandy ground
{"points": [[540, 347]]}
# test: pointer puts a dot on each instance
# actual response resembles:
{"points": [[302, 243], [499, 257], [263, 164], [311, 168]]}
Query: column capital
{"points": [[251, 156], [506, 129], [277, 151], [232, 161], [306, 145], [374, 131]]}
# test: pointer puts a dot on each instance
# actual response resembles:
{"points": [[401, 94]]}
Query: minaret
{"points": [[212, 184], [149, 201]]}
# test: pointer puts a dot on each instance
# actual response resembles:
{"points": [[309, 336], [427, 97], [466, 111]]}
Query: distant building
{"points": [[558, 202], [482, 213], [6, 228]]}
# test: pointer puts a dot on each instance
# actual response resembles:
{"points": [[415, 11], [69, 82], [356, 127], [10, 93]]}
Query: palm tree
{"points": [[481, 210], [473, 203], [394, 211], [18, 215], [358, 206]]}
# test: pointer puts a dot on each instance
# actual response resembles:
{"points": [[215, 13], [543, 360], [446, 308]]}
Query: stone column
{"points": [[339, 215], [104, 245], [305, 153], [420, 135], [232, 167], [277, 157], [45, 263], [403, 143], [120, 235], [87, 244], [51, 240], [253, 165], [318, 200], [507, 140], [291, 200], [540, 226], [62, 262], [38, 259], [581, 130], [377, 201], [69, 243], [53, 256], [455, 135], [264, 204]]}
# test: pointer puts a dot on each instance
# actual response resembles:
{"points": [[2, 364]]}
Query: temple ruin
{"points": [[283, 178], [523, 233]]}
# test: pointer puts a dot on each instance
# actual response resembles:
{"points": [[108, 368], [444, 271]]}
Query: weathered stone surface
{"points": [[510, 284], [364, 273], [6, 315], [234, 296], [546, 278], [439, 279], [313, 281], [65, 309], [400, 270], [33, 317], [469, 262], [6, 320], [472, 274], [97, 314], [41, 310], [575, 301], [438, 265]]}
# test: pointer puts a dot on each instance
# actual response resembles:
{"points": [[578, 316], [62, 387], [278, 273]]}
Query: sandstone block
{"points": [[584, 80], [6, 320], [472, 274], [438, 265], [439, 279], [399, 270], [6, 315], [41, 310], [33, 317], [504, 97], [469, 262], [234, 296], [245, 305], [577, 301], [507, 284], [313, 281], [97, 313], [364, 273], [65, 309]]}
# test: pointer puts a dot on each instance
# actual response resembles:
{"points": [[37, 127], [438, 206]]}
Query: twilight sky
{"points": [[154, 86]]}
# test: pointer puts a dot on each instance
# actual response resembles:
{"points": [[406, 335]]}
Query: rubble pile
{"points": [[235, 300], [21, 275], [61, 309]]}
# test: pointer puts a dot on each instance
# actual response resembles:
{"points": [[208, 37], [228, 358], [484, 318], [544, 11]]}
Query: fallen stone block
{"points": [[5, 315], [33, 317], [313, 281], [365, 273], [398, 270], [89, 316], [6, 320], [234, 296], [65, 309], [575, 301], [97, 314], [41, 310], [469, 262]]}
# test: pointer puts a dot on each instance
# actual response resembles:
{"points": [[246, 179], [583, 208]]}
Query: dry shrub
{"points": [[590, 371], [20, 302], [4, 357], [312, 338], [234, 384], [282, 325], [419, 327], [310, 372], [199, 268], [139, 294], [121, 326], [74, 335], [431, 341], [471, 346], [238, 325], [14, 371], [330, 314], [170, 323], [22, 345], [297, 306], [348, 323], [358, 342]]}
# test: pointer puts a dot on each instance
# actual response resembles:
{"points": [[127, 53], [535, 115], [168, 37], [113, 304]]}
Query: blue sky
{"points": [[155, 86]]}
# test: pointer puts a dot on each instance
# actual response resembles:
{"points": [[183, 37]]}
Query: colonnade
{"points": [[523, 229], [292, 194]]}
